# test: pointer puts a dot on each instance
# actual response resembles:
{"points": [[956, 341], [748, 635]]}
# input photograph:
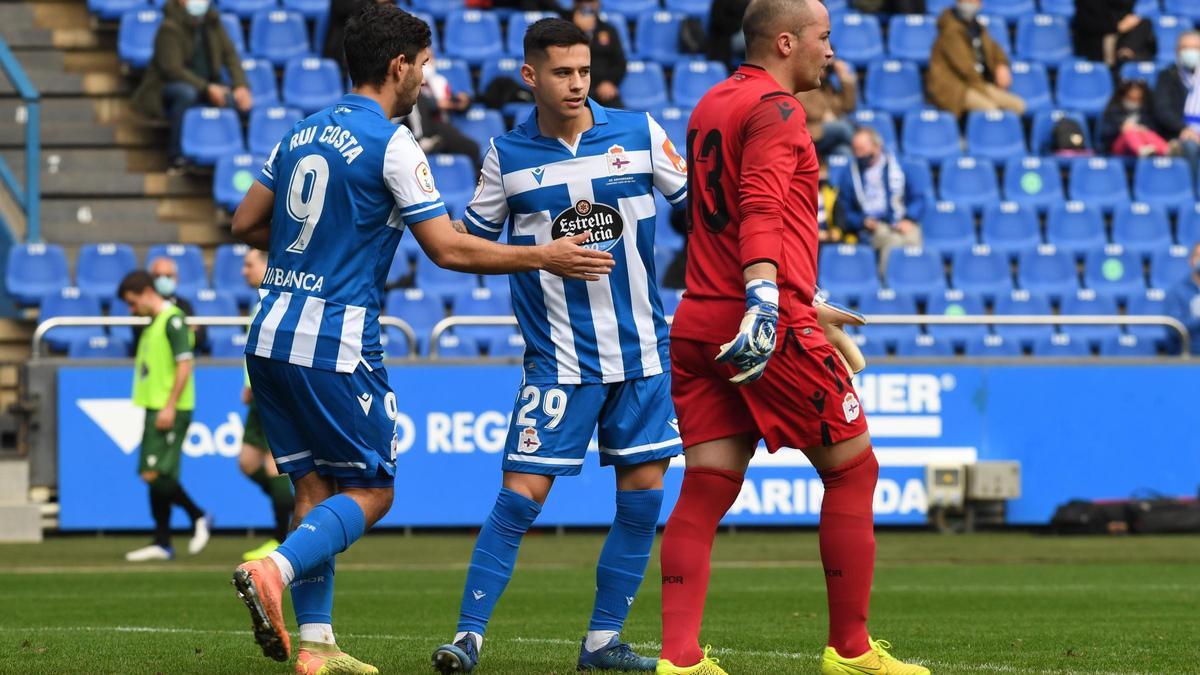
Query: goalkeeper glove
{"points": [[832, 317], [749, 350]]}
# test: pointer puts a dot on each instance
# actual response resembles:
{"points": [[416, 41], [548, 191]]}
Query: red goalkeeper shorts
{"points": [[804, 399]]}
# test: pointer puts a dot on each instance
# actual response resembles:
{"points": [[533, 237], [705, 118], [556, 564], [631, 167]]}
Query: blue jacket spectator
{"points": [[880, 205], [1177, 100], [1183, 303]]}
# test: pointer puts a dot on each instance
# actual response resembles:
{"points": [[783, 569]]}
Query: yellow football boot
{"points": [[317, 658], [707, 666], [261, 552], [875, 662]]}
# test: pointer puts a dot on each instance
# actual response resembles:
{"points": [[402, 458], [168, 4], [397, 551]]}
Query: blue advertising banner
{"points": [[1079, 431]]}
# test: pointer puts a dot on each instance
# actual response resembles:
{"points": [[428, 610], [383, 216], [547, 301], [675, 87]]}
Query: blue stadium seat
{"points": [[658, 36], [1140, 70], [982, 271], [924, 347], [1032, 84], [278, 36], [1010, 228], [1075, 227], [1023, 303], [969, 182], [441, 283], [101, 267], [1011, 9], [1152, 302], [1142, 229], [665, 235], [1047, 271], [998, 28], [190, 262], [34, 271], [881, 122], [670, 298], [1099, 181], [955, 302], [1114, 271], [514, 43], [455, 179], [1187, 231], [482, 302], [458, 75], [310, 9], [1147, 8], [911, 36], [838, 166], [1167, 30], [69, 301], [481, 125], [208, 302], [888, 301], [1063, 8], [1128, 346], [1061, 346], [857, 38], [435, 38], [918, 174], [1033, 182], [233, 28], [311, 84], [135, 36], [692, 79], [267, 126], [620, 24], [111, 10], [1043, 126], [246, 9], [1183, 8], [1165, 182], [674, 121], [1044, 38], [992, 347], [948, 229], [629, 7], [511, 68], [401, 266], [437, 9], [931, 135], [1083, 86], [1089, 302], [894, 86], [849, 270], [227, 274], [870, 345], [395, 344], [995, 135], [473, 36], [696, 8], [511, 346], [644, 87], [419, 309], [916, 272], [453, 347], [233, 176], [98, 347], [260, 75], [517, 113], [211, 133], [1169, 266]]}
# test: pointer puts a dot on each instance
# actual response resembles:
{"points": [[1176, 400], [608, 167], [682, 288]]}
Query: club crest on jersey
{"points": [[618, 161], [851, 407], [424, 177], [602, 221], [529, 441]]}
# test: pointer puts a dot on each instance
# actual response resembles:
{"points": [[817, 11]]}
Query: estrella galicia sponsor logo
{"points": [[601, 221]]}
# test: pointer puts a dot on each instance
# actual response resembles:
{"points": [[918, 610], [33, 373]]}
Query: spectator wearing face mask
{"points": [[967, 68], [1125, 128], [191, 52], [608, 54], [879, 204], [165, 274], [1183, 303], [1177, 100]]}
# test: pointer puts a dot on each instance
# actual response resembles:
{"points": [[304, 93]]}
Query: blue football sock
{"points": [[494, 557], [312, 595], [326, 531], [624, 556]]}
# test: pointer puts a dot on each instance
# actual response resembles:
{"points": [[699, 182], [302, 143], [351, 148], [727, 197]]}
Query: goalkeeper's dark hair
{"points": [[546, 33], [136, 283], [378, 35]]}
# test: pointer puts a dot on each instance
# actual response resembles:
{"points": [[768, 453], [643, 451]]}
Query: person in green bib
{"points": [[163, 384], [255, 459]]}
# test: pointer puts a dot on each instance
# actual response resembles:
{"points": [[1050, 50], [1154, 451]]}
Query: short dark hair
{"points": [[546, 33], [136, 282], [376, 37]]}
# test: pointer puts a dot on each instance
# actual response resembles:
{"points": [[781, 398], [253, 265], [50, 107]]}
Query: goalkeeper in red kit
{"points": [[750, 356]]}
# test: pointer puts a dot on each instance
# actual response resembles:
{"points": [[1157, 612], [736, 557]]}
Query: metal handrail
{"points": [[28, 199], [39, 333]]}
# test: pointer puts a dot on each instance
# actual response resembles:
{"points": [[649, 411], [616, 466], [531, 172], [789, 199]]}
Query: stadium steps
{"points": [[20, 521]]}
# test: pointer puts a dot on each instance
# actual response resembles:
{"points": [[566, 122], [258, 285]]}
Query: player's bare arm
{"points": [[252, 220], [166, 416], [446, 246]]}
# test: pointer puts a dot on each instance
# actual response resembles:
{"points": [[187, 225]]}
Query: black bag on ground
{"points": [[1163, 515], [1079, 516]]}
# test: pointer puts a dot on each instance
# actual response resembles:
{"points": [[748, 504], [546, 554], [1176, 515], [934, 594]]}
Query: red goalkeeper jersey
{"points": [[752, 197]]}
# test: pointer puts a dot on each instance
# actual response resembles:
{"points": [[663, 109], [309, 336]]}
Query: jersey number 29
{"points": [[306, 197]]}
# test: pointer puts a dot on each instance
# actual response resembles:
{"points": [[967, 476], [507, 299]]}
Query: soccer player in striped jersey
{"points": [[596, 351], [330, 207]]}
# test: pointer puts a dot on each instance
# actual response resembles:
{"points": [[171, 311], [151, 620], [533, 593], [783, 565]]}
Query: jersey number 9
{"points": [[306, 197]]}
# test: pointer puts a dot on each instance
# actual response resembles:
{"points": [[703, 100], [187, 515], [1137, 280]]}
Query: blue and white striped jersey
{"points": [[579, 332], [349, 181]]}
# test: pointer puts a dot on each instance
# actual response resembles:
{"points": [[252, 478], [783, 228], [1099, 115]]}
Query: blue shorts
{"points": [[552, 425], [341, 425]]}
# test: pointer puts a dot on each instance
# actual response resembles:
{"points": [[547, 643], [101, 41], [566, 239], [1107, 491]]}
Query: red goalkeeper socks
{"points": [[848, 550], [687, 546]]}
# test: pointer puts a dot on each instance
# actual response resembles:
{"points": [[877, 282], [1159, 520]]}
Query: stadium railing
{"points": [[29, 198]]}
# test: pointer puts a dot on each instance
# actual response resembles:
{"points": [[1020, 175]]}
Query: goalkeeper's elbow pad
{"points": [[832, 318]]}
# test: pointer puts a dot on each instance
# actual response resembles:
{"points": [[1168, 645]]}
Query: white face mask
{"points": [[165, 286], [1189, 59], [197, 8]]}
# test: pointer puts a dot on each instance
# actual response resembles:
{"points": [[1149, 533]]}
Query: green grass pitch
{"points": [[989, 603]]}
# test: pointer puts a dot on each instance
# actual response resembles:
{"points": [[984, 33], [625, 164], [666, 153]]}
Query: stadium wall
{"points": [[1086, 430]]}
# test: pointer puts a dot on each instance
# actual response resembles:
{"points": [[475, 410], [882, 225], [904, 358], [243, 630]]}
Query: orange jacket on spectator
{"points": [[952, 63]]}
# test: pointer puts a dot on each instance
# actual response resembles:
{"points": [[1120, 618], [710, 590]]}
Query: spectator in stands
{"points": [[165, 274], [880, 206], [888, 6], [191, 53], [1109, 31], [608, 54], [1177, 100], [430, 118], [967, 68], [725, 39], [1183, 303], [826, 109], [1125, 128]]}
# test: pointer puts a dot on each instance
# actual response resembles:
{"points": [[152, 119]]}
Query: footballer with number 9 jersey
{"points": [[596, 352], [330, 207], [751, 279]]}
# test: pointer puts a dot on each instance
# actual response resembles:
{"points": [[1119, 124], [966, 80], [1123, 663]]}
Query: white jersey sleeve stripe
{"points": [[489, 207], [472, 219], [641, 207], [678, 196], [304, 345], [429, 211], [270, 324], [350, 348]]}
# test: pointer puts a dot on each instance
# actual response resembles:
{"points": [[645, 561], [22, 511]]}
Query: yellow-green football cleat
{"points": [[317, 658], [707, 666], [261, 552], [875, 662]]}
